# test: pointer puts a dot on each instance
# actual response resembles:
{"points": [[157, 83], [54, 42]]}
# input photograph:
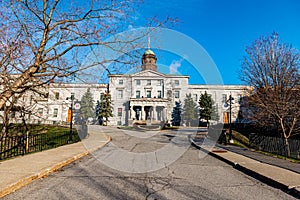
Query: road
{"points": [[193, 175]]}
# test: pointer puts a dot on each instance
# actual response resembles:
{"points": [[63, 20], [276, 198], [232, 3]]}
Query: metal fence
{"points": [[11, 146], [275, 145]]}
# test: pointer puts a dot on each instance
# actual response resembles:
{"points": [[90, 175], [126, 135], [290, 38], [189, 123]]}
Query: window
{"points": [[195, 97], [138, 82], [169, 93], [120, 112], [40, 112], [55, 112], [159, 94], [101, 96], [13, 114], [56, 95], [176, 82], [120, 94], [224, 98], [138, 94], [148, 82], [240, 99], [148, 93], [176, 94], [159, 82], [121, 82]]}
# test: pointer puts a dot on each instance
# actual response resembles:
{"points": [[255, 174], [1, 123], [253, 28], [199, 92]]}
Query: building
{"points": [[151, 95], [146, 95]]}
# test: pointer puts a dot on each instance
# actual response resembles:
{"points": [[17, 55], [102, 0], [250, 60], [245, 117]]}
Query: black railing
{"points": [[275, 145], [11, 146]]}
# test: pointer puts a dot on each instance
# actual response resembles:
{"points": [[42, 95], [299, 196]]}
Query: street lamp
{"points": [[71, 117], [230, 100]]}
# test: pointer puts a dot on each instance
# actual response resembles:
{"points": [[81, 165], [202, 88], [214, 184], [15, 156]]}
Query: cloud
{"points": [[174, 66], [130, 27]]}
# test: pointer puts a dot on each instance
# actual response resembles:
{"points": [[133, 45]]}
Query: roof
{"points": [[148, 52]]}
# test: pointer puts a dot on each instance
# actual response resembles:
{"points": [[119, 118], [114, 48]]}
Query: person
{"points": [[223, 139]]}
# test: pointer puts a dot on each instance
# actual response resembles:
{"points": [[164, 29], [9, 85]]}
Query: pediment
{"points": [[148, 73]]}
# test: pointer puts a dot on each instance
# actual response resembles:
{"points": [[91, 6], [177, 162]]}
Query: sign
{"points": [[77, 106], [69, 115], [226, 117]]}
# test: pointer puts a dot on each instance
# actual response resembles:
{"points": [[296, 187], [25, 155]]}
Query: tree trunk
{"points": [[5, 118], [287, 145], [286, 137]]}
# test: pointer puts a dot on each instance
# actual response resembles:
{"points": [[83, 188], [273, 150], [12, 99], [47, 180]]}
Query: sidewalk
{"points": [[276, 172], [20, 171]]}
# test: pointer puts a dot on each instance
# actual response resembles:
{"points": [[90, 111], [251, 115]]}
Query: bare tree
{"points": [[56, 36], [46, 40], [271, 67]]}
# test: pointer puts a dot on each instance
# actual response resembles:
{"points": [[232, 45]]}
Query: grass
{"points": [[238, 144], [242, 141], [279, 156], [19, 129], [41, 137], [170, 128]]}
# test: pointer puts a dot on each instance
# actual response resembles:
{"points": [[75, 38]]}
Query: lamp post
{"points": [[230, 113], [71, 117]]}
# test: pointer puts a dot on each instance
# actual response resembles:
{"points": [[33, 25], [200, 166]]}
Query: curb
{"points": [[27, 180], [294, 191]]}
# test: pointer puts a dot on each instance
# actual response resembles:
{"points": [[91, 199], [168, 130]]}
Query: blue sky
{"points": [[225, 27]]}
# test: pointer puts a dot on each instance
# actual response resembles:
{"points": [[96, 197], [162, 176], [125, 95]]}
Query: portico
{"points": [[153, 109]]}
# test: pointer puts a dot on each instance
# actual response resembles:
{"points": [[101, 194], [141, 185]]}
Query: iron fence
{"points": [[11, 146], [275, 145]]}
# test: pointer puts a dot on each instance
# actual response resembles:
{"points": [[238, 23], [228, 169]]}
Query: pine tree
{"points": [[87, 106], [189, 114], [208, 110], [176, 114], [97, 112], [105, 107]]}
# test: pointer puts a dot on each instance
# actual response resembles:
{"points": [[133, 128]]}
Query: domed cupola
{"points": [[149, 60]]}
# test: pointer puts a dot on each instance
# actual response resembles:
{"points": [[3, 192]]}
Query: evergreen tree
{"points": [[208, 110], [97, 112], [176, 114], [189, 113], [106, 108], [87, 106]]}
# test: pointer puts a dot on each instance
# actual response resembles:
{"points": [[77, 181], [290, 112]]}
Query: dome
{"points": [[148, 52]]}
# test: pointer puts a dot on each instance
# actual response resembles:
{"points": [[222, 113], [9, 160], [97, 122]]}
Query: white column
{"points": [[131, 112], [143, 113], [166, 114]]}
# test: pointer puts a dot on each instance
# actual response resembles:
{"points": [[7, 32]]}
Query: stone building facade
{"points": [[151, 95]]}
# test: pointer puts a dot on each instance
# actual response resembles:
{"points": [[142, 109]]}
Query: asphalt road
{"points": [[146, 168]]}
